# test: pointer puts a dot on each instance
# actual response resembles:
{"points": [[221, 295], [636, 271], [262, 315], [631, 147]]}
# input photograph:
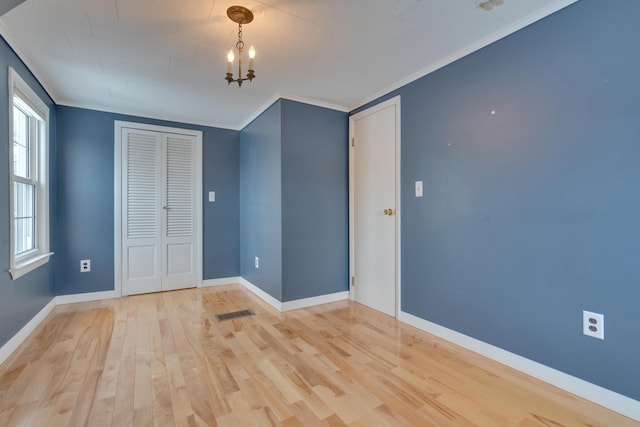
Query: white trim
{"points": [[295, 304], [473, 47], [10, 346], [264, 107], [199, 208], [312, 301], [117, 205], [275, 98], [24, 263], [119, 124], [8, 5], [135, 114], [602, 396], [26, 59], [272, 100], [221, 282], [396, 102], [352, 205], [398, 204], [315, 102], [117, 211], [90, 296], [21, 268], [261, 294]]}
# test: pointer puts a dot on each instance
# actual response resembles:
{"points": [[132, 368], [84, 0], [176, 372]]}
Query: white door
{"points": [[179, 240], [159, 241], [374, 206], [141, 200]]}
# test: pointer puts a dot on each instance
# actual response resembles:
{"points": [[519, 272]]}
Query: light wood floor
{"points": [[161, 359]]}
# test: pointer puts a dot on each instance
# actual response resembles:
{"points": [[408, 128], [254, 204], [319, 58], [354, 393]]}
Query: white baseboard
{"points": [[295, 304], [261, 294], [90, 296], [602, 396], [221, 282], [15, 341], [310, 302]]}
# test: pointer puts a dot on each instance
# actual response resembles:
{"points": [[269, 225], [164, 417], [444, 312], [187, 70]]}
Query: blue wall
{"points": [[315, 201], [221, 220], [531, 215], [85, 206], [294, 201], [261, 201], [23, 298]]}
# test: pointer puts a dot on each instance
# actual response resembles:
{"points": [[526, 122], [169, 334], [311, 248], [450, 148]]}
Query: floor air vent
{"points": [[234, 315]]}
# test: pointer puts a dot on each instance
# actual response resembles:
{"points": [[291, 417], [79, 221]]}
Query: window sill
{"points": [[23, 267]]}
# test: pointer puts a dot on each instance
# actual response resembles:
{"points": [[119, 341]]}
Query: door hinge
{"points": [[353, 141], [353, 280]]}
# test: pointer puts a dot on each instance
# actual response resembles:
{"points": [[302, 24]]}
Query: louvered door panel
{"points": [[179, 240], [142, 218], [143, 198], [179, 186]]}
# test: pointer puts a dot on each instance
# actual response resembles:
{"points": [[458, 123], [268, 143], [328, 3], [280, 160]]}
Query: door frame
{"points": [[117, 205], [395, 101]]}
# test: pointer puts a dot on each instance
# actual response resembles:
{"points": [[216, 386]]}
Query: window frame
{"points": [[23, 263]]}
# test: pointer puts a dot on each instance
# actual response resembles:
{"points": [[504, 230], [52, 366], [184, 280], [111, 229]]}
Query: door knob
{"points": [[166, 208], [388, 212]]}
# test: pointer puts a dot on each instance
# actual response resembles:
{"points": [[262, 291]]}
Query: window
{"points": [[28, 166]]}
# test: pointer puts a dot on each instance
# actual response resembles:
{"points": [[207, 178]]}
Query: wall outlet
{"points": [[593, 324], [85, 265], [257, 262]]}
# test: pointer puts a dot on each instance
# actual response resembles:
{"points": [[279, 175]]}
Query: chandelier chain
{"points": [[240, 43]]}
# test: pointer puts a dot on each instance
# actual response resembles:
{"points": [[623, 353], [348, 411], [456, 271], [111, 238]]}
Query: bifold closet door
{"points": [[158, 239], [178, 240]]}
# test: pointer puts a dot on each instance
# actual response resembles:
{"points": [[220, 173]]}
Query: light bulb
{"points": [[252, 54], [230, 57]]}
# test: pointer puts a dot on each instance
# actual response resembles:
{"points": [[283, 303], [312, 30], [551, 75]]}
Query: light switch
{"points": [[418, 188], [212, 196]]}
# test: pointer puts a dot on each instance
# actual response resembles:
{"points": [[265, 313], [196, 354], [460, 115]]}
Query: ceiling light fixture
{"points": [[240, 15]]}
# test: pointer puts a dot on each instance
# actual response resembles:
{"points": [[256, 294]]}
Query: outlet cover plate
{"points": [[593, 324]]}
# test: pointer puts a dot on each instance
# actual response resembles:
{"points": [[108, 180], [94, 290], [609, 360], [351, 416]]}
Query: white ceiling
{"points": [[167, 58]]}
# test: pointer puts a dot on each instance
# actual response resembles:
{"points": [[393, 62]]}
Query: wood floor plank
{"points": [[163, 360], [40, 417], [63, 409], [102, 413], [123, 405]]}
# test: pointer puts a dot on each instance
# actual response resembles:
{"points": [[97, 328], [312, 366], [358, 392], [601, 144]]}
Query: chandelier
{"points": [[240, 15]]}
